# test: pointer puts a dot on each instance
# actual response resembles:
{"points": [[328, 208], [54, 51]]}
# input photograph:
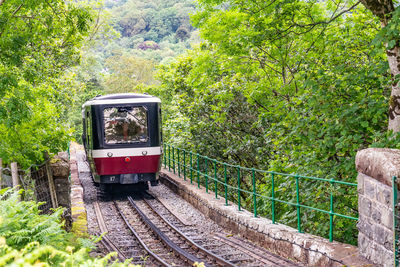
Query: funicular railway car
{"points": [[122, 139]]}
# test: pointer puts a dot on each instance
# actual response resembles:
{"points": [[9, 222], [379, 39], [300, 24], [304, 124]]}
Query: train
{"points": [[122, 137]]}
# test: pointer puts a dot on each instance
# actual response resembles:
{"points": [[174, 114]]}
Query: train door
{"points": [[89, 139]]}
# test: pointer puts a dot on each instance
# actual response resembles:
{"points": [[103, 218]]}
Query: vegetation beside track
{"points": [[29, 238]]}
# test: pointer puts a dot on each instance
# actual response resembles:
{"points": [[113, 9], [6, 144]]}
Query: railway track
{"points": [[106, 241], [162, 239], [148, 232], [235, 251], [119, 237]]}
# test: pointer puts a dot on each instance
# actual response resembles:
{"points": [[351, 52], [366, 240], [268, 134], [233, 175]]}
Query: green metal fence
{"points": [[246, 188]]}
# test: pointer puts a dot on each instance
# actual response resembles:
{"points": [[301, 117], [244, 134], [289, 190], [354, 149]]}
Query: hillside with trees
{"points": [[145, 34], [290, 86]]}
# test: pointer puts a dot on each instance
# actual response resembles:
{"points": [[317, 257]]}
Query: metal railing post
{"points": [[169, 157], [254, 192], [215, 179], [198, 170], [191, 168], [226, 186], [206, 173], [238, 173], [165, 156], [298, 204], [331, 213], [273, 196], [179, 163], [173, 158], [184, 164]]}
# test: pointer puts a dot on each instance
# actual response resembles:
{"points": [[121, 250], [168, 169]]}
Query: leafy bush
{"points": [[30, 238]]}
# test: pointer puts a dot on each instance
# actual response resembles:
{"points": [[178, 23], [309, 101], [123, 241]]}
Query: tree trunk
{"points": [[393, 56], [383, 9]]}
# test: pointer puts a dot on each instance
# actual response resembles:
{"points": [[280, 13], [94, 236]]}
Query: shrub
{"points": [[30, 238]]}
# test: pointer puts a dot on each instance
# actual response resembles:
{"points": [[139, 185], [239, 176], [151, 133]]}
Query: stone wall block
{"points": [[60, 166], [363, 243], [366, 228], [360, 183], [387, 218], [364, 206], [376, 214], [379, 234], [63, 192], [369, 188], [384, 194], [388, 241]]}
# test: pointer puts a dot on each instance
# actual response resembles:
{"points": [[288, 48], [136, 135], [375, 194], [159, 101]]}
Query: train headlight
{"points": [[127, 159]]}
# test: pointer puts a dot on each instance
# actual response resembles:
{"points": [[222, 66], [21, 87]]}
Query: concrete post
{"points": [[376, 168], [14, 174]]}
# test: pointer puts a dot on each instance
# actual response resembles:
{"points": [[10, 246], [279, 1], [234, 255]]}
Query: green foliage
{"points": [[34, 254], [28, 238], [288, 86], [152, 20], [21, 223], [38, 42]]}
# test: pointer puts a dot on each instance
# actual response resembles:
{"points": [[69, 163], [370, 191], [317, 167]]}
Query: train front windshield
{"points": [[125, 125]]}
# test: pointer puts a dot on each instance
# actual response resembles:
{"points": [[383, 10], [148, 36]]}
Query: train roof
{"points": [[126, 98]]}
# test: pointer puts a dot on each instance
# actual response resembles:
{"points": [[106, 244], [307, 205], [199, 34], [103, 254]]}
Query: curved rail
{"points": [[192, 259], [260, 255], [155, 256], [107, 243], [214, 256]]}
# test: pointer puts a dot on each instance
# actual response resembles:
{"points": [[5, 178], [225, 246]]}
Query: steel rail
{"points": [[155, 256], [108, 244], [192, 259], [250, 251], [216, 257]]}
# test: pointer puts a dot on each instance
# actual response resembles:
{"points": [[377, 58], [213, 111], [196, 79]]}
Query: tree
{"points": [[39, 41], [389, 17]]}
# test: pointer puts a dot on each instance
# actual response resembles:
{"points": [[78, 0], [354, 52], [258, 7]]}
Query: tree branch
{"points": [[13, 14], [331, 19]]}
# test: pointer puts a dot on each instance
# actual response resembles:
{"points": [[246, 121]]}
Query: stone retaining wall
{"points": [[280, 239], [79, 216], [376, 168], [59, 165], [60, 171]]}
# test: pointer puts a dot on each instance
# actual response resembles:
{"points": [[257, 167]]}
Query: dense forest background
{"points": [[290, 86]]}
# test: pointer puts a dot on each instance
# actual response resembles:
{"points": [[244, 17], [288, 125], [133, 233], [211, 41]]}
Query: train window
{"points": [[125, 125]]}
